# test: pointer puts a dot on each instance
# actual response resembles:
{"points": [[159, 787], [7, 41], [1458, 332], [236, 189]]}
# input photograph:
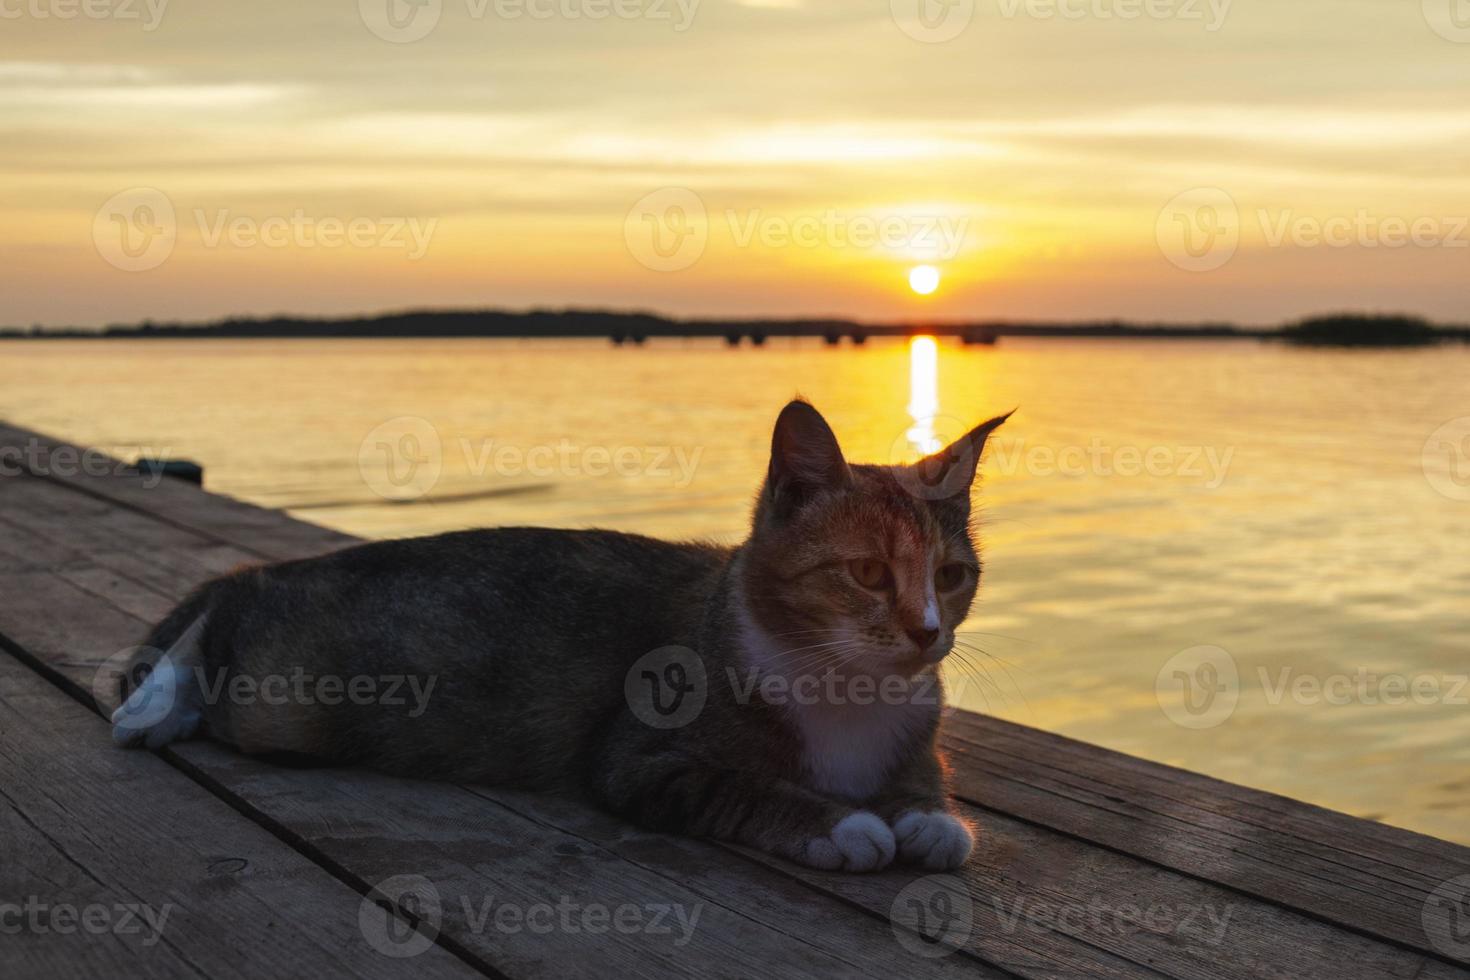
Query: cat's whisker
{"points": [[821, 659], [976, 648], [985, 697], [970, 648], [791, 633], [983, 677], [820, 651], [1019, 692], [815, 646], [841, 660], [963, 532], [998, 636], [832, 661], [845, 642]]}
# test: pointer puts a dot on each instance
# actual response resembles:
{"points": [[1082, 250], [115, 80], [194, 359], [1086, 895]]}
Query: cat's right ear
{"points": [[805, 458]]}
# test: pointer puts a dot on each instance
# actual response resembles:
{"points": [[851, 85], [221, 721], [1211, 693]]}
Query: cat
{"points": [[782, 694]]}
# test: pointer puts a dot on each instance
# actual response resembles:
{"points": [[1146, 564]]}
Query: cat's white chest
{"points": [[850, 751], [852, 735]]}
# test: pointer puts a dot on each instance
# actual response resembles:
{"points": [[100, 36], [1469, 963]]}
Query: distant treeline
{"points": [[1357, 330], [1345, 329]]}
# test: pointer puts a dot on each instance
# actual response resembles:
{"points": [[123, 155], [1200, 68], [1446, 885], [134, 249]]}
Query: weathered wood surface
{"points": [[1091, 864], [111, 864], [1356, 873]]}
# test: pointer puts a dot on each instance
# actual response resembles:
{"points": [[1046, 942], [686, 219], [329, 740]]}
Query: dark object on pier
{"points": [[180, 469]]}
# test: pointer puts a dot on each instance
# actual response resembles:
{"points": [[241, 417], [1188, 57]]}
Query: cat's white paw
{"points": [[935, 839], [164, 708], [860, 841]]}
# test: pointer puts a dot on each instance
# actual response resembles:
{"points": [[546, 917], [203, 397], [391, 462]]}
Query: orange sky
{"points": [[1077, 159]]}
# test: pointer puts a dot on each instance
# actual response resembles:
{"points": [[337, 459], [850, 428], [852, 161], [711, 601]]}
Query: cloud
{"points": [[148, 97], [66, 73]]}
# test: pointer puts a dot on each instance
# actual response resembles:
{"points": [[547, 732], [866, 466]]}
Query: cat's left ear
{"points": [[951, 471], [805, 458]]}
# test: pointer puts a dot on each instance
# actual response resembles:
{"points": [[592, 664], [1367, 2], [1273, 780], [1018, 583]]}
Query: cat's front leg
{"points": [[926, 828], [674, 793]]}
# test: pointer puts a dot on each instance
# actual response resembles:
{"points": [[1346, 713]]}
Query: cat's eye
{"points": [[949, 577], [870, 573]]}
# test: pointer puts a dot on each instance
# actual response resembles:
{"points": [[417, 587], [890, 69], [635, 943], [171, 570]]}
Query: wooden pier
{"points": [[196, 862]]}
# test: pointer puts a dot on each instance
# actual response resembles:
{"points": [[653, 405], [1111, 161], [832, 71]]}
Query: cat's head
{"points": [[870, 568]]}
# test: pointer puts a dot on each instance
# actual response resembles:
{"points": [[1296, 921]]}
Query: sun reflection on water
{"points": [[923, 393]]}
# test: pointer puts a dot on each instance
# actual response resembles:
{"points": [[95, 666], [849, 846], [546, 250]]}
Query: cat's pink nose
{"points": [[923, 638]]}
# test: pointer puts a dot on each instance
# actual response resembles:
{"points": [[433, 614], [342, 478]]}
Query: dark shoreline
{"points": [[636, 327]]}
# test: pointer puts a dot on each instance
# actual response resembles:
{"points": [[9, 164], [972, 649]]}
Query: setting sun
{"points": [[923, 279]]}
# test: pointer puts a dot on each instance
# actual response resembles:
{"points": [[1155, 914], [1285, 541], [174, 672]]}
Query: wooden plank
{"points": [[220, 519], [1391, 846], [127, 557], [115, 864], [22, 548], [80, 631], [1128, 918], [1357, 873], [52, 528], [771, 898], [718, 914]]}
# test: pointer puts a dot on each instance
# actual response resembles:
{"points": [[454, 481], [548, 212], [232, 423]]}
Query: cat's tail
{"points": [[161, 689]]}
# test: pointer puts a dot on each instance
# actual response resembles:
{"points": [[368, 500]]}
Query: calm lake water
{"points": [[1240, 558]]}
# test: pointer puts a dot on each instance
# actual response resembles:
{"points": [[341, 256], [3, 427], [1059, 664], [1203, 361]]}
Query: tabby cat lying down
{"points": [[782, 694]]}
